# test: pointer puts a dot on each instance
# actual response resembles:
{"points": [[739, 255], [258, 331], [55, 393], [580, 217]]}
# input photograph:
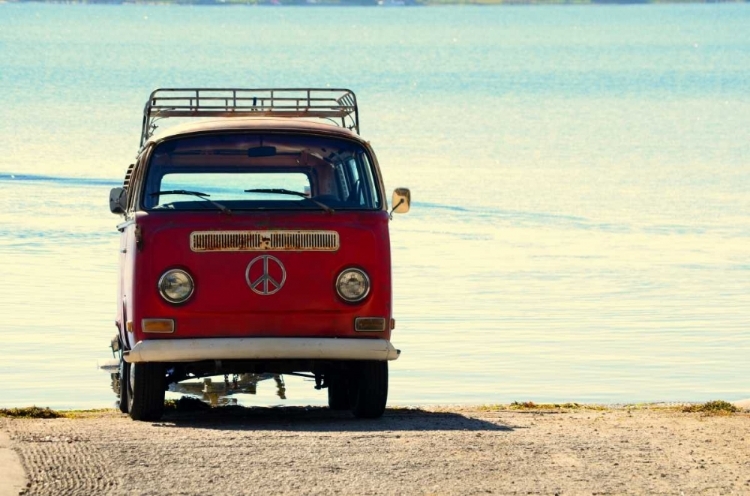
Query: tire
{"points": [[339, 396], [146, 390], [370, 391], [124, 380]]}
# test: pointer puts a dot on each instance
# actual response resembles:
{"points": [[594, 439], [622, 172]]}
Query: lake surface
{"points": [[581, 177]]}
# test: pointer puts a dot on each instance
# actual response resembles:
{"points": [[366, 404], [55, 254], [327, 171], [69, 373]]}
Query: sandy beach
{"points": [[459, 450]]}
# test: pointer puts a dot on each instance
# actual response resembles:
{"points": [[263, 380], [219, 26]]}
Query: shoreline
{"points": [[189, 404], [518, 449], [373, 3]]}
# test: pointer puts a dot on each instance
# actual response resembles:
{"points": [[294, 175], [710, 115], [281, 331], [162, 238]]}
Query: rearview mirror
{"points": [[118, 201], [261, 151], [401, 200]]}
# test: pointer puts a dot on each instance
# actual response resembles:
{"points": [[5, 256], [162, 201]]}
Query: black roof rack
{"points": [[337, 105]]}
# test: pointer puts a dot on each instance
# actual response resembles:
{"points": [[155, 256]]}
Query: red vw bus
{"points": [[255, 240]]}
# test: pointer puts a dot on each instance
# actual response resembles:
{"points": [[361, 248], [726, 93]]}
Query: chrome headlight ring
{"points": [[353, 285], [176, 286]]}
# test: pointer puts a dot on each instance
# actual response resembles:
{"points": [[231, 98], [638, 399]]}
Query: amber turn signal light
{"points": [[369, 324], [158, 326]]}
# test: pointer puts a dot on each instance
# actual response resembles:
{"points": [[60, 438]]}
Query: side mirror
{"points": [[401, 200], [118, 201]]}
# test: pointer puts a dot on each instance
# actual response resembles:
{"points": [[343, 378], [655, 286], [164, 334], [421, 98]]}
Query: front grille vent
{"points": [[204, 241]]}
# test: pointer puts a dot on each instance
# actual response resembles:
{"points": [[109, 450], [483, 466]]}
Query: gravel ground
{"points": [[408, 451]]}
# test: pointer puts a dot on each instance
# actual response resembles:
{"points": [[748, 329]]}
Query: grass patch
{"points": [[30, 412], [35, 412], [718, 407], [530, 405], [77, 414]]}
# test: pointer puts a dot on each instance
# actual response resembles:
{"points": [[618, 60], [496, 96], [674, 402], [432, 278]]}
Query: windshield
{"points": [[260, 171]]}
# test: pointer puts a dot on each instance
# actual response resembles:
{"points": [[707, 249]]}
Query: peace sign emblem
{"points": [[265, 275]]}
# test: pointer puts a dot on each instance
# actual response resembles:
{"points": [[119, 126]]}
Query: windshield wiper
{"points": [[281, 191], [202, 196]]}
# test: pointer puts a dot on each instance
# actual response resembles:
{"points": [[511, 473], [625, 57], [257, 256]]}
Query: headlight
{"points": [[353, 285], [176, 286]]}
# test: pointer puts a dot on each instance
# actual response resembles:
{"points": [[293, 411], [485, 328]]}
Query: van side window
{"points": [[357, 195], [370, 186], [136, 182], [135, 173], [126, 184], [344, 187]]}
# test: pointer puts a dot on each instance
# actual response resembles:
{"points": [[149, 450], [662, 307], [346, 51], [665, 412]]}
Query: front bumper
{"points": [[193, 350]]}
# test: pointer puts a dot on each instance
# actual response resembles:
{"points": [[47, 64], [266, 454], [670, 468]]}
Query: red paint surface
{"points": [[223, 305]]}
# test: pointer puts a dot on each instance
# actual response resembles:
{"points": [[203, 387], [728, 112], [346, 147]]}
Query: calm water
{"points": [[581, 228]]}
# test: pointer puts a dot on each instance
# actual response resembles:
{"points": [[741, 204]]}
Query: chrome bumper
{"points": [[191, 350]]}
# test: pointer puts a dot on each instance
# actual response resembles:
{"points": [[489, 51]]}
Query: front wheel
{"points": [[370, 389], [146, 390], [123, 387]]}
